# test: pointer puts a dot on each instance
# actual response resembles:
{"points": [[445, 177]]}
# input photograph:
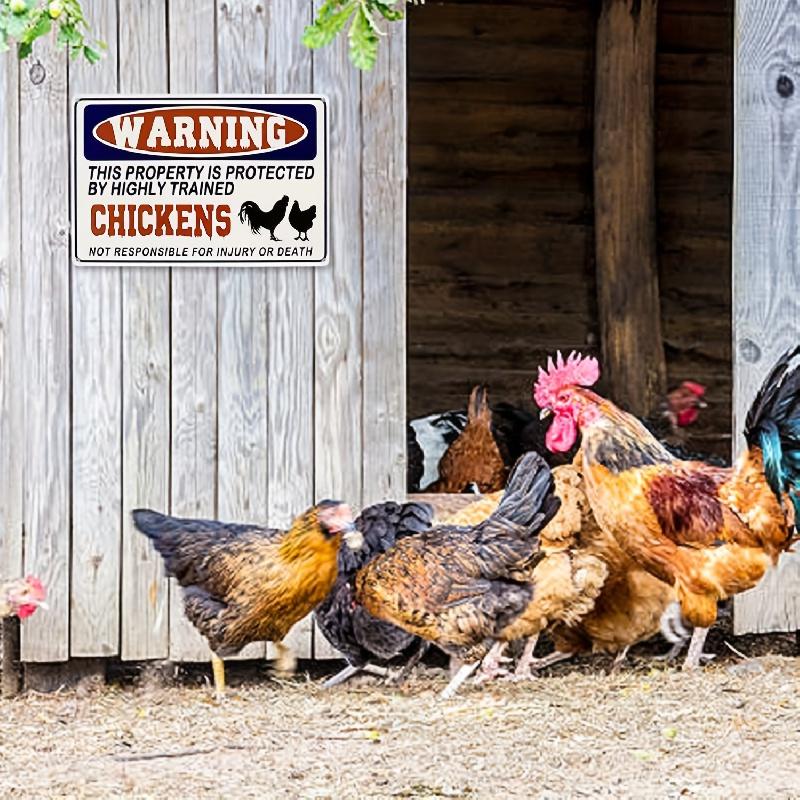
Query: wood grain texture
{"points": [[624, 203], [193, 344], [12, 451], [291, 327], [501, 238], [145, 374], [384, 277], [243, 307], [46, 335], [96, 417], [766, 246], [338, 419]]}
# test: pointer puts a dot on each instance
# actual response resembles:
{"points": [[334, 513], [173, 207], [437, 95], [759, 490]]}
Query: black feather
{"points": [[346, 625]]}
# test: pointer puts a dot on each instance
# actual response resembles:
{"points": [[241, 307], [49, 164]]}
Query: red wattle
{"points": [[561, 434]]}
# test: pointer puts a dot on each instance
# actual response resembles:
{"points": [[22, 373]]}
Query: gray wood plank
{"points": [[194, 332], [12, 451], [96, 417], [384, 220], [45, 337], [291, 327], [145, 374], [338, 298], [766, 246], [243, 307]]}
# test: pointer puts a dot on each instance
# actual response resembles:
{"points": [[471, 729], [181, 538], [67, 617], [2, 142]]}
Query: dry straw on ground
{"points": [[648, 731]]}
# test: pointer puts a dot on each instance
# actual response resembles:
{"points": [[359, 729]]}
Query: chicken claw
{"points": [[491, 668]]}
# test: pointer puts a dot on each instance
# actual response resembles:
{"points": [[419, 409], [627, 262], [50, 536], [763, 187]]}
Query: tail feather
{"points": [[184, 544], [773, 425], [478, 406], [529, 501]]}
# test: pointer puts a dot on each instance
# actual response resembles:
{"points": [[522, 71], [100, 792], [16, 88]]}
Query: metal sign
{"points": [[202, 181]]}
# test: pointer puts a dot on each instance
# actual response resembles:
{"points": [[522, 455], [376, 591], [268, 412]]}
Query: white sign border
{"points": [[204, 263]]}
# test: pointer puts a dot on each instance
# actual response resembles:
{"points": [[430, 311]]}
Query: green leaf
{"points": [[16, 26], [92, 56], [24, 50], [363, 41], [387, 12], [329, 23], [39, 28]]}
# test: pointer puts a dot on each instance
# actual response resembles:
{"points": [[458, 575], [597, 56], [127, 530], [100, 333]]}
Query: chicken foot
{"points": [[619, 659], [491, 664]]}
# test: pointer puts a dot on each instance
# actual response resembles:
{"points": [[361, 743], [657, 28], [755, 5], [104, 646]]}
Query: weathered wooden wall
{"points": [[766, 245], [237, 393], [501, 240]]}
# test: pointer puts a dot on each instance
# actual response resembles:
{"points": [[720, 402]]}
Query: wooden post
{"points": [[624, 202], [766, 246]]}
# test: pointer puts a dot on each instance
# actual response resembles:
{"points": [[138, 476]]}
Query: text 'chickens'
{"points": [[203, 181]]}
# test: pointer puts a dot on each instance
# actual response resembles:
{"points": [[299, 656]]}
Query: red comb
{"points": [[36, 585], [695, 388], [576, 370]]}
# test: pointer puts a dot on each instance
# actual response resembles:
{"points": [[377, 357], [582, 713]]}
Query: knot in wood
{"points": [[784, 86], [37, 73]]}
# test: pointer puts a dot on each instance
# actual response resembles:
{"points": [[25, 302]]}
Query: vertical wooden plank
{"points": [[46, 337], [625, 203], [243, 328], [384, 124], [12, 451], [337, 289], [97, 412], [338, 297], [145, 374], [192, 69], [766, 245], [291, 325]]}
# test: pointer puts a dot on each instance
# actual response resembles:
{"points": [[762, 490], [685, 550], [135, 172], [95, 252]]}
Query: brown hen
{"points": [[473, 459], [246, 583]]}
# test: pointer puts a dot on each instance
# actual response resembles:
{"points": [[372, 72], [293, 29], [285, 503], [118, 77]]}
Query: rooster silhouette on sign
{"points": [[269, 220]]}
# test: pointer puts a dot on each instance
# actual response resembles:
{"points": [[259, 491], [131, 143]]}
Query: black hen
{"points": [[354, 632], [302, 221]]}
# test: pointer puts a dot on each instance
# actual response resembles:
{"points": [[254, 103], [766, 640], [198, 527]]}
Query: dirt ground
{"points": [[648, 731]]}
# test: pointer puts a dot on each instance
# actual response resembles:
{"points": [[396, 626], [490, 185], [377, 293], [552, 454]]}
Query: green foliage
{"points": [[363, 34], [24, 21]]}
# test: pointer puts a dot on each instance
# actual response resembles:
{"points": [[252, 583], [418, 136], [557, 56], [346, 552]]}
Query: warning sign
{"points": [[201, 181]]}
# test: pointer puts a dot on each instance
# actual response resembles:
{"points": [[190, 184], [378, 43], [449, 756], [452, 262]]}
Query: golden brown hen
{"points": [[246, 583], [590, 595], [461, 587], [474, 457], [710, 532]]}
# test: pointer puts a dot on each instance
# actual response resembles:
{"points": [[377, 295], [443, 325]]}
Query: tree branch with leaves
{"points": [[364, 30], [24, 21]]}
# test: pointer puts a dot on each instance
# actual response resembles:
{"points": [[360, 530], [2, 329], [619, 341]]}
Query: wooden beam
{"points": [[766, 247], [624, 202]]}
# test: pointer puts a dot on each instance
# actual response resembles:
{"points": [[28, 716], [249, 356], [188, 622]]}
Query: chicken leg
{"points": [[463, 673], [218, 669], [696, 653], [286, 663]]}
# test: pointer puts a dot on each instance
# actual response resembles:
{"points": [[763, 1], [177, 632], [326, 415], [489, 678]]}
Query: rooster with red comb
{"points": [[21, 597], [709, 531]]}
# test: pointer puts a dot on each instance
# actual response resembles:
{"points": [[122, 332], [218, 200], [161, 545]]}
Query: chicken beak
{"points": [[353, 537], [41, 604], [545, 413], [702, 404]]}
